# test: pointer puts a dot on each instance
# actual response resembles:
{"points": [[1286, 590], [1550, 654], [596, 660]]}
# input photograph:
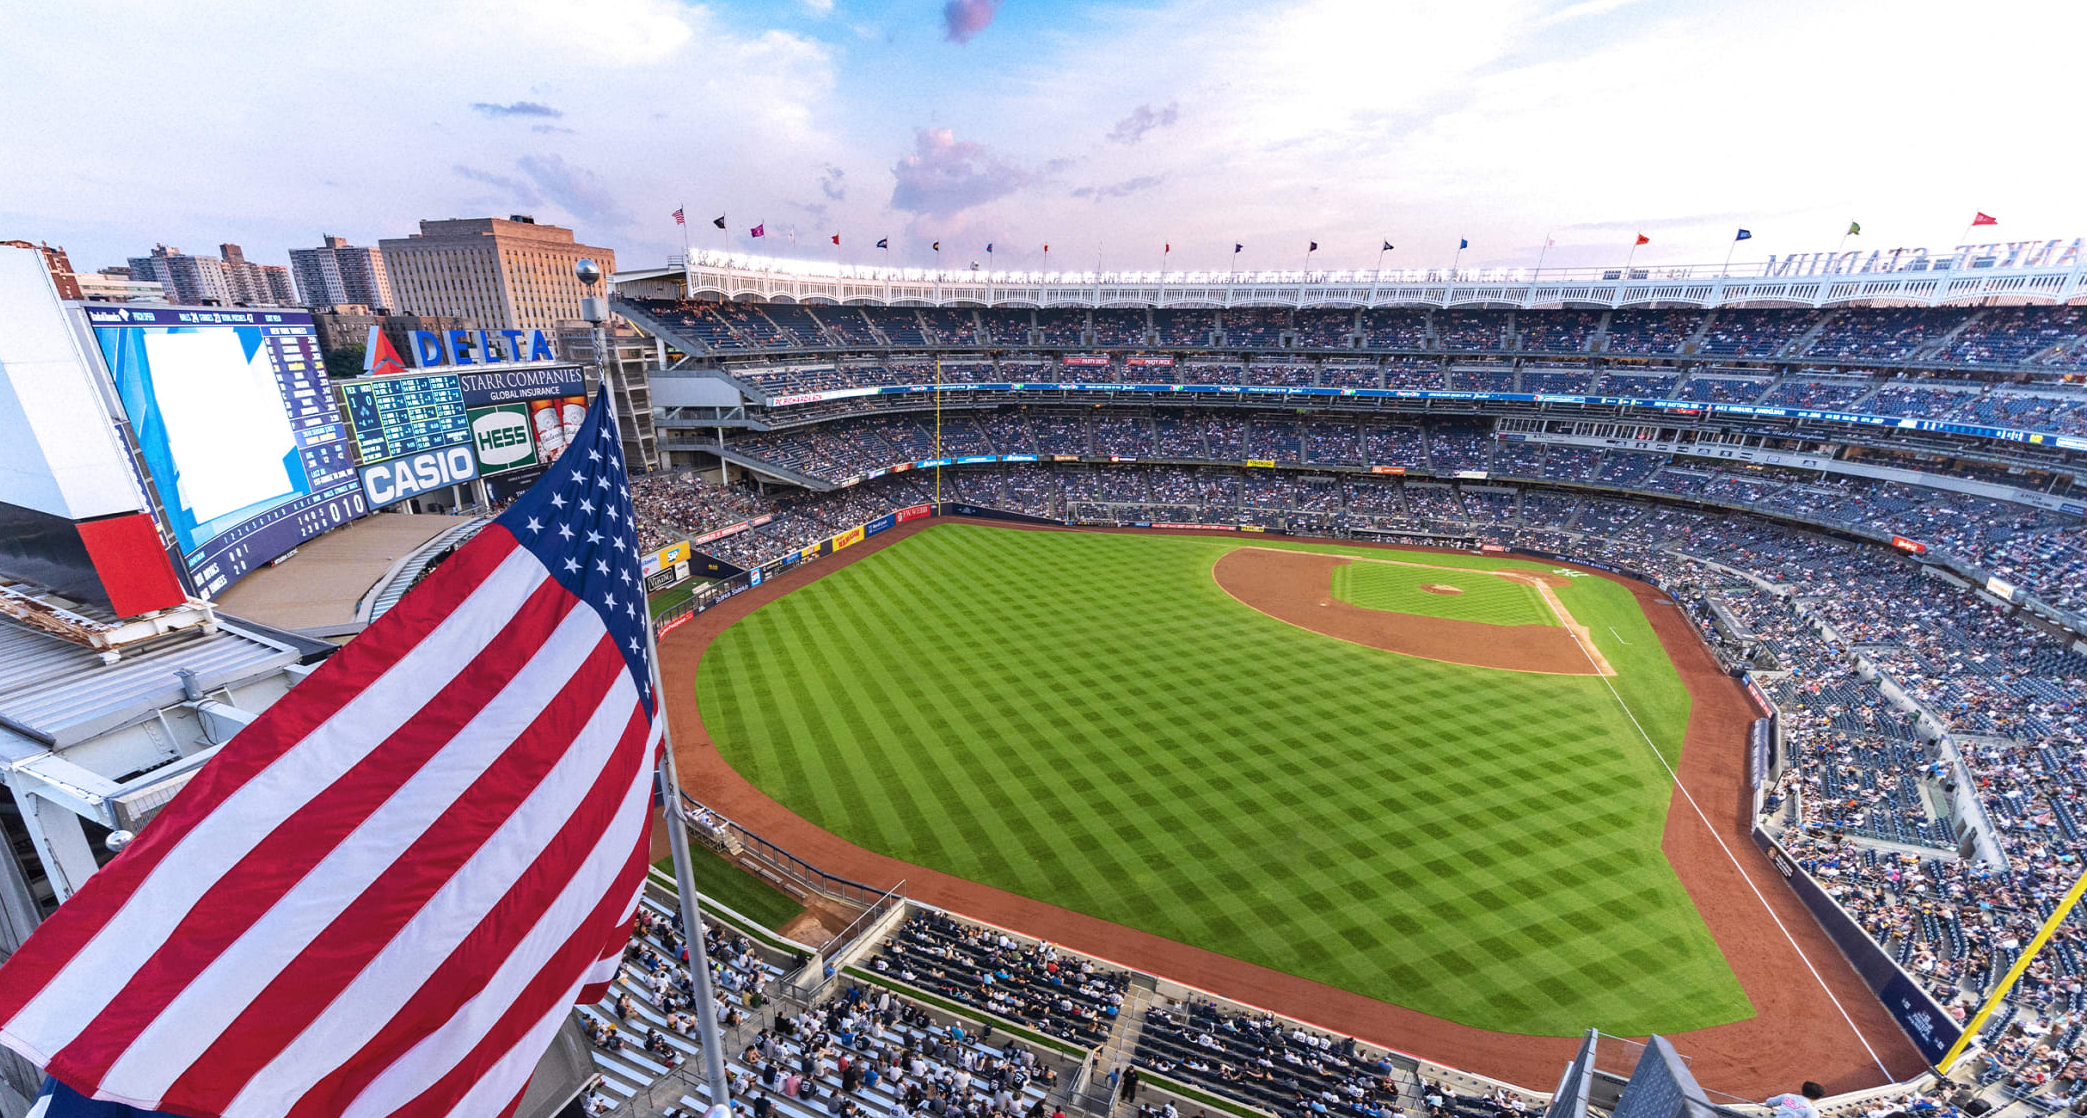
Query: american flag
{"points": [[680, 218], [384, 895]]}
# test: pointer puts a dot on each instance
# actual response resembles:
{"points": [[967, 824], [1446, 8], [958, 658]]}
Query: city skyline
{"points": [[1106, 131]]}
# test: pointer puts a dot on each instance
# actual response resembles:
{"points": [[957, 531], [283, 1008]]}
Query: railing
{"points": [[715, 830]]}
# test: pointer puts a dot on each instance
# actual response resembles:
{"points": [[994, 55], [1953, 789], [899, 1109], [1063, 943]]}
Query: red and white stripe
{"points": [[383, 895]]}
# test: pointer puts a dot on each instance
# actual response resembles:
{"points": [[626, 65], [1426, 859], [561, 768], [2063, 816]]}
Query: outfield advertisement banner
{"points": [[914, 512], [1927, 1024], [881, 524], [848, 539]]}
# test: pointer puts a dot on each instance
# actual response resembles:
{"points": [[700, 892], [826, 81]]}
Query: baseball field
{"points": [[1424, 777]]}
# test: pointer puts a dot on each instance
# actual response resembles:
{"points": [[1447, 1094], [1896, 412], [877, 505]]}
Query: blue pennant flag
{"points": [[1462, 244], [1745, 235]]}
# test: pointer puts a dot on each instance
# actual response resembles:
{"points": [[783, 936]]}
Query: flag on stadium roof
{"points": [[1047, 248], [1744, 235], [1854, 229], [1387, 246], [989, 248], [1236, 247], [836, 238], [1462, 244], [760, 230], [1166, 247], [718, 221], [385, 894], [1314, 247], [1643, 240], [937, 246], [1985, 218], [884, 242], [680, 218]]}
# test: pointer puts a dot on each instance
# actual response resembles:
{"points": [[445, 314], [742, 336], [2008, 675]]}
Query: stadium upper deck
{"points": [[2042, 271]]}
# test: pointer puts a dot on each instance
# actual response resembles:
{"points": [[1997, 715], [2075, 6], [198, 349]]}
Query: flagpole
{"points": [[1540, 254], [1729, 250], [1633, 256], [669, 780], [683, 222]]}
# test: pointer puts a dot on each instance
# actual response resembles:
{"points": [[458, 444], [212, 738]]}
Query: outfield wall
{"points": [[1930, 1027]]}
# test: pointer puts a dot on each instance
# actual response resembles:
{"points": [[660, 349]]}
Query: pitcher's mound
{"points": [[1438, 588]]}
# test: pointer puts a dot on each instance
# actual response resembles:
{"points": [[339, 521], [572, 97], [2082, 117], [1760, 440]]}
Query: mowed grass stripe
{"points": [[1087, 719]]}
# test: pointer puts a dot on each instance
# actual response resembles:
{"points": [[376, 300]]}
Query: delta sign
{"points": [[436, 348], [488, 375]]}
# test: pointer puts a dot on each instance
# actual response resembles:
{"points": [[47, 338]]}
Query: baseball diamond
{"points": [[1125, 725]]}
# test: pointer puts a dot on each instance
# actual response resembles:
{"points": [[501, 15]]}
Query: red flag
{"points": [[1047, 248], [1984, 218], [385, 895], [836, 238], [1643, 240], [1166, 250]]}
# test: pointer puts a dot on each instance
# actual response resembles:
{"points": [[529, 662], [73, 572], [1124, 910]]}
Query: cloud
{"points": [[830, 183], [551, 129], [966, 18], [1122, 189], [819, 8], [945, 176], [516, 189], [576, 189], [516, 108], [1141, 120]]}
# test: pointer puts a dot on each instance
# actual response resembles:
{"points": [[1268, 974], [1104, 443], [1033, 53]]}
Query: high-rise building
{"points": [[504, 275], [57, 263], [227, 280], [338, 274]]}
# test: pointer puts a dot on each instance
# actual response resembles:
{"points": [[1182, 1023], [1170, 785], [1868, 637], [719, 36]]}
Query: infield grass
{"points": [[1488, 599], [1087, 719]]}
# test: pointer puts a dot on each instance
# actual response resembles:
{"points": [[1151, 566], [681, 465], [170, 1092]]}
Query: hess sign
{"points": [[390, 482]]}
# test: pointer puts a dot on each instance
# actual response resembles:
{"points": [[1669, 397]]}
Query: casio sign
{"points": [[502, 437], [400, 478]]}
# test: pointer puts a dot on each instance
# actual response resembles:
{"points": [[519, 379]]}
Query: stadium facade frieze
{"points": [[2032, 271]]}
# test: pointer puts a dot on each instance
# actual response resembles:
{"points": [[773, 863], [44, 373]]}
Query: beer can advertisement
{"points": [[550, 429]]}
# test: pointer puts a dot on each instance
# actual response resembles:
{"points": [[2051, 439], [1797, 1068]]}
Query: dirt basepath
{"points": [[1297, 587], [1795, 1035]]}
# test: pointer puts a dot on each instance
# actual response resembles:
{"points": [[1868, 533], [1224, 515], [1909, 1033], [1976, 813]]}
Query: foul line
{"points": [[1747, 877], [1617, 635]]}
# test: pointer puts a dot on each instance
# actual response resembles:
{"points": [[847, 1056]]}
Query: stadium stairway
{"points": [[1121, 1050]]}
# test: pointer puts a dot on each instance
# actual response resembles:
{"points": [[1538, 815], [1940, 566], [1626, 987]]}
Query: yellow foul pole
{"points": [[938, 428], [2043, 936]]}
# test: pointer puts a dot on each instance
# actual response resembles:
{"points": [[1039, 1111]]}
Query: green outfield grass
{"points": [[1486, 598], [1088, 719]]}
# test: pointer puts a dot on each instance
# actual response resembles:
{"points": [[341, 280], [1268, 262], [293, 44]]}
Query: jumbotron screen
{"points": [[237, 427]]}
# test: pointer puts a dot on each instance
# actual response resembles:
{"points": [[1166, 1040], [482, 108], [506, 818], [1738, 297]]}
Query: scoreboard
{"points": [[396, 416], [236, 428]]}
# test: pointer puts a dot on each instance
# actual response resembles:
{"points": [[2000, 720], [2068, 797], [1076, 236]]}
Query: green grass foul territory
{"points": [[1087, 719]]}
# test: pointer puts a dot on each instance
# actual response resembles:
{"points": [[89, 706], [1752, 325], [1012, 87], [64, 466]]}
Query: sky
{"points": [[1105, 130]]}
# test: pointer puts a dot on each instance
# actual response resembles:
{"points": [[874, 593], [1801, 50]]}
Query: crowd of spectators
{"points": [[1988, 337]]}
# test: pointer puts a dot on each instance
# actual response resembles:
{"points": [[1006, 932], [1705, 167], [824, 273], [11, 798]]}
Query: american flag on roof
{"points": [[384, 895]]}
